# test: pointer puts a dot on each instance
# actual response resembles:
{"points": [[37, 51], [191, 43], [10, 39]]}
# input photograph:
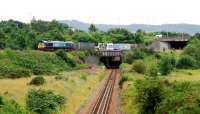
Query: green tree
{"points": [[139, 36], [167, 64], [3, 39], [92, 28], [193, 50], [121, 35], [83, 37]]}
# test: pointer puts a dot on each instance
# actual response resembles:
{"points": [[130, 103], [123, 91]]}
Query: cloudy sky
{"points": [[104, 11]]}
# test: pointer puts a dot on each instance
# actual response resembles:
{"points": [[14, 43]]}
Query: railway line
{"points": [[101, 106]]}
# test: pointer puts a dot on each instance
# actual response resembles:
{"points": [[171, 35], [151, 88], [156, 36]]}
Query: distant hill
{"points": [[187, 28]]}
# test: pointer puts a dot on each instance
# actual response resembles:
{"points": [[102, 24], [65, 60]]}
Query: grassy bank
{"points": [[75, 86], [14, 64], [129, 91]]}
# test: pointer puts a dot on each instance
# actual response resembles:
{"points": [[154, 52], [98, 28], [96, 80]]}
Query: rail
{"points": [[103, 102]]}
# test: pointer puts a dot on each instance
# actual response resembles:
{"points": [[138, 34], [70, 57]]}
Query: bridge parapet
{"points": [[110, 53], [175, 39]]}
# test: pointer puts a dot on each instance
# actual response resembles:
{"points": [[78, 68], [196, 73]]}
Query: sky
{"points": [[123, 12]]}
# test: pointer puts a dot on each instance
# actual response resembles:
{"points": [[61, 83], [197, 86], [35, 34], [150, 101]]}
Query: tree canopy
{"points": [[18, 35]]}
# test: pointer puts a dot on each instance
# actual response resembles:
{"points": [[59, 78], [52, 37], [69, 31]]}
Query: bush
{"points": [[59, 77], [62, 54], [186, 62], [139, 66], [1, 101], [180, 98], [37, 81], [138, 54], [164, 97], [122, 80], [193, 49], [83, 76], [44, 102], [11, 107], [9, 70], [167, 64], [135, 55], [149, 95], [153, 70], [24, 63]]}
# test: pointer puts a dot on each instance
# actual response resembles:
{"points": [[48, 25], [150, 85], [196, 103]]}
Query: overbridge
{"points": [[162, 44], [111, 58]]}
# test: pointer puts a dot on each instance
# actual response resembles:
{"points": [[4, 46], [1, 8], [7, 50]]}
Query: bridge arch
{"points": [[111, 58]]}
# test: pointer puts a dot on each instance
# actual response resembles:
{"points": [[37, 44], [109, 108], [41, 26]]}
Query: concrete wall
{"points": [[164, 46], [159, 46], [93, 60], [154, 46]]}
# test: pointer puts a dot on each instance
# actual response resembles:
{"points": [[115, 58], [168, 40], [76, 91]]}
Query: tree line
{"points": [[19, 35]]}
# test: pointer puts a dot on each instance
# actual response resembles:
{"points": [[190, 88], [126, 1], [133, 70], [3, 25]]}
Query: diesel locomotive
{"points": [[55, 45]]}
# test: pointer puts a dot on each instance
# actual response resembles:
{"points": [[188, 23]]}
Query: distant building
{"points": [[163, 44], [159, 36], [73, 29]]}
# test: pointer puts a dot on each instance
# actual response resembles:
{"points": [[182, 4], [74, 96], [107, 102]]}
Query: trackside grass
{"points": [[71, 85]]}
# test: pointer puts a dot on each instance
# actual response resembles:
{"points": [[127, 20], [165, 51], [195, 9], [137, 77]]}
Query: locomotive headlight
{"points": [[41, 45]]}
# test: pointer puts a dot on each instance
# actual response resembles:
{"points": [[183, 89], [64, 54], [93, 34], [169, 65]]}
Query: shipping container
{"points": [[85, 46], [122, 47], [109, 46]]}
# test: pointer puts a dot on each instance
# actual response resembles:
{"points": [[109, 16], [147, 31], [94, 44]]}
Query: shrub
{"points": [[1, 100], [186, 62], [193, 49], [83, 76], [167, 64], [153, 70], [11, 107], [149, 95], [24, 63], [62, 54], [59, 77], [122, 80], [135, 55], [180, 98], [37, 81], [164, 97], [138, 54], [139, 66], [9, 70], [44, 101]]}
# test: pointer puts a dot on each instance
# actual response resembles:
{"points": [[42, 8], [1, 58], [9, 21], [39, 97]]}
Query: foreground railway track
{"points": [[102, 104]]}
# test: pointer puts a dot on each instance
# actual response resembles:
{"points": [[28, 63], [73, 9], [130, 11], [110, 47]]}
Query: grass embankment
{"points": [[15, 64], [76, 86], [129, 91]]}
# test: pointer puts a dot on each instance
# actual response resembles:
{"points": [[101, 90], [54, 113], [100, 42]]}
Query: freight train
{"points": [[70, 46]]}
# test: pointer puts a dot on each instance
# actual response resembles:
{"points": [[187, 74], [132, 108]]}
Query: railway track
{"points": [[102, 104]]}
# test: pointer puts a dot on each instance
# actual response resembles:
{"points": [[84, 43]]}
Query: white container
{"points": [[109, 46], [122, 46]]}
